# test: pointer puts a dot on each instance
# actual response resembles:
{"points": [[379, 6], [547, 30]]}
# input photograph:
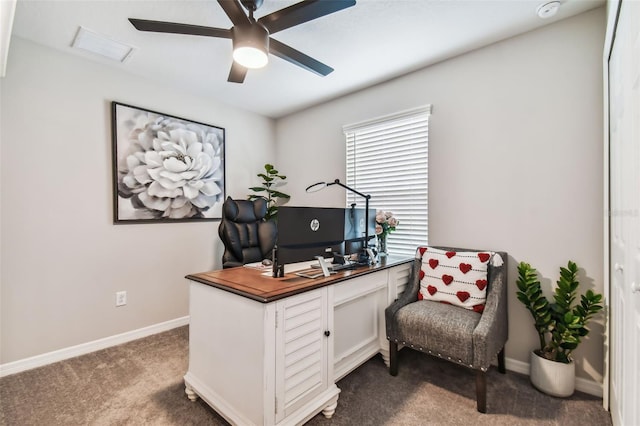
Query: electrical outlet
{"points": [[121, 298]]}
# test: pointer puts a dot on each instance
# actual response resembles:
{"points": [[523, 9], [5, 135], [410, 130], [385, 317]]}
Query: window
{"points": [[387, 158]]}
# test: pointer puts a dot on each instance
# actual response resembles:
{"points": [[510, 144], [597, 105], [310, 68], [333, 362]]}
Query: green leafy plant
{"points": [[271, 179], [562, 324]]}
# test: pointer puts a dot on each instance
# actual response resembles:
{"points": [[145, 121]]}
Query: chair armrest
{"points": [[410, 295], [492, 331]]}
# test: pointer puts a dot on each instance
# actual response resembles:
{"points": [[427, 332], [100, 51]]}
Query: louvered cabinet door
{"points": [[398, 281], [302, 343]]}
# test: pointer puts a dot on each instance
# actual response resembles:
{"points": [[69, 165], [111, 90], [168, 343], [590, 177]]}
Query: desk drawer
{"points": [[358, 287]]}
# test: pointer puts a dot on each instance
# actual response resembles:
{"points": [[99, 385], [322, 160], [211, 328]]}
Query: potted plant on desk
{"points": [[560, 326], [271, 180]]}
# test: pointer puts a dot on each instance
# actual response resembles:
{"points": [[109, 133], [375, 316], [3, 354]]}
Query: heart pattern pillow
{"points": [[457, 278]]}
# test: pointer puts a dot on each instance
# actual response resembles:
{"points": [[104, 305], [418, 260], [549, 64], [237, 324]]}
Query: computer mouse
{"points": [[266, 262]]}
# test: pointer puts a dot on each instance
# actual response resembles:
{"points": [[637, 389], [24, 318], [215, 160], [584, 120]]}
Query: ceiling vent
{"points": [[102, 45]]}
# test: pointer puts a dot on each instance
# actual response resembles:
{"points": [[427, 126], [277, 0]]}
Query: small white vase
{"points": [[552, 377]]}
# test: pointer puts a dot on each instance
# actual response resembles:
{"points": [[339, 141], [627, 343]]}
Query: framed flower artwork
{"points": [[165, 168]]}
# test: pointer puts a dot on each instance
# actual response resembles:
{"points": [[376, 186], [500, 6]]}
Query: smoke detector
{"points": [[547, 10]]}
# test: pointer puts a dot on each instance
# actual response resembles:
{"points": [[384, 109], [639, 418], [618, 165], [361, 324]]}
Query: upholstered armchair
{"points": [[471, 335], [246, 235]]}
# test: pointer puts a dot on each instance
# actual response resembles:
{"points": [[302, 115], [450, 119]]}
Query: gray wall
{"points": [[515, 160], [62, 258]]}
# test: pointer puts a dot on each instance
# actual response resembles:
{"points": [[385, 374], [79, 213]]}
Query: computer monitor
{"points": [[303, 226], [307, 232], [354, 228]]}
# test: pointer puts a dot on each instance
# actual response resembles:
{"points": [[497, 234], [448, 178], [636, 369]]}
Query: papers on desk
{"points": [[258, 265], [310, 273]]}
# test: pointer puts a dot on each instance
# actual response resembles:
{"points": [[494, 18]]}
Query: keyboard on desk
{"points": [[340, 267]]}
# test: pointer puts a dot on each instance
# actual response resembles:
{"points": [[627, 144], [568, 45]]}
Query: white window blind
{"points": [[387, 158]]}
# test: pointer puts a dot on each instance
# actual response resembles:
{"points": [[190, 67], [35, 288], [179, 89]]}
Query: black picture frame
{"points": [[165, 168]]}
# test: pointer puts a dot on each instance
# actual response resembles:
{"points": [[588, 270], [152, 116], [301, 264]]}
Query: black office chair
{"points": [[246, 235]]}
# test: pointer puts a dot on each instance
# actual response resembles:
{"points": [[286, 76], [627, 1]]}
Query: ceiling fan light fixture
{"points": [[250, 45], [250, 37], [250, 57]]}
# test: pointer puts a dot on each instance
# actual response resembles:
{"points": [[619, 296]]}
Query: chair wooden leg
{"points": [[393, 358], [481, 391], [501, 367]]}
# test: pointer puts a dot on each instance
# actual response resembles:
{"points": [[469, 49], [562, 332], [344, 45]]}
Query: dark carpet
{"points": [[140, 383]]}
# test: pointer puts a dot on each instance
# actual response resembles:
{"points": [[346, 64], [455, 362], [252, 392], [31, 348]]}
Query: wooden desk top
{"points": [[251, 283]]}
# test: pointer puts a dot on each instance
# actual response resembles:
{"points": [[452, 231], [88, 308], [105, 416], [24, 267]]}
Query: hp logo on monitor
{"points": [[314, 225]]}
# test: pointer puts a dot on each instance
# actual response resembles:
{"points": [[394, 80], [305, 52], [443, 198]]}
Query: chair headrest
{"points": [[244, 211]]}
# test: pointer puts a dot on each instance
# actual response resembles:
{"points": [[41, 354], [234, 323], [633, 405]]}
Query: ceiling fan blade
{"points": [[176, 28], [299, 13], [298, 58], [237, 73], [234, 11]]}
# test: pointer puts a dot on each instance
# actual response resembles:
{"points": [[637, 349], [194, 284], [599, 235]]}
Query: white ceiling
{"points": [[371, 42]]}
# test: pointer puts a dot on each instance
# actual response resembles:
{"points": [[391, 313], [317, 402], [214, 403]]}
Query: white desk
{"points": [[269, 351]]}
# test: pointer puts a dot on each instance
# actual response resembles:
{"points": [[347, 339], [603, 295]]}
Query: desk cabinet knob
{"points": [[327, 333]]}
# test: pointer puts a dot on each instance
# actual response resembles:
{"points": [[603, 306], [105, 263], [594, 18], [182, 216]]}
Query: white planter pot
{"points": [[551, 377]]}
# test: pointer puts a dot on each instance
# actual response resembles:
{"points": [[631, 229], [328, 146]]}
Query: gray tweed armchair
{"points": [[453, 333]]}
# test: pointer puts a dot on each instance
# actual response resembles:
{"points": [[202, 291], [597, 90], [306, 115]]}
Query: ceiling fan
{"points": [[250, 37]]}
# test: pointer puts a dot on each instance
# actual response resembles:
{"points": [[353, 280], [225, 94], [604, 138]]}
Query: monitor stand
{"points": [[324, 266]]}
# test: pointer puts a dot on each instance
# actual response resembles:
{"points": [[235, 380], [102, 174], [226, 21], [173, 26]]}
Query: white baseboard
{"points": [[583, 385], [85, 348]]}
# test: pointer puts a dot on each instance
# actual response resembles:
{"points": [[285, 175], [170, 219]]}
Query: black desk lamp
{"points": [[366, 256]]}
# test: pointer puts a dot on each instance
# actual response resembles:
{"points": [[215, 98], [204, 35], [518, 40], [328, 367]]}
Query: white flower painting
{"points": [[166, 168]]}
